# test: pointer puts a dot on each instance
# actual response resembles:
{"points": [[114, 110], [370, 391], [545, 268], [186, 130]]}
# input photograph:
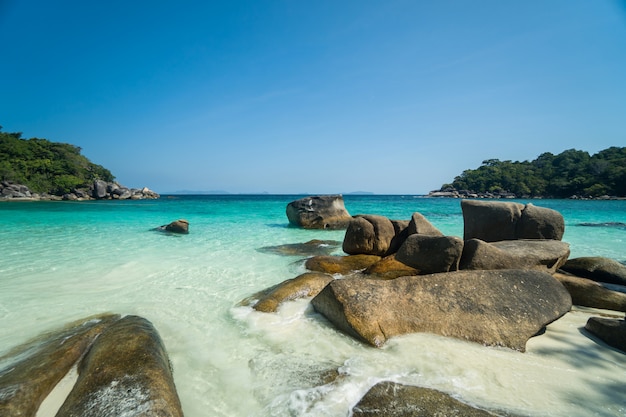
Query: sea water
{"points": [[62, 261]]}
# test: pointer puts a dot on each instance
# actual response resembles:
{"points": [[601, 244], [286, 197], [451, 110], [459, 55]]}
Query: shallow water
{"points": [[62, 261]]}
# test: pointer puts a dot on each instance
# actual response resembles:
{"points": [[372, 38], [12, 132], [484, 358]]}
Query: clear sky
{"points": [[324, 96]]}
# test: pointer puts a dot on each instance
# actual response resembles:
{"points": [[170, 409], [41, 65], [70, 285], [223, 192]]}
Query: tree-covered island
{"points": [[43, 169], [570, 174]]}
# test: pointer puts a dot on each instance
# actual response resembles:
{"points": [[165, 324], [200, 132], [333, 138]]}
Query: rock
{"points": [[401, 229], [311, 248], [32, 370], [340, 264], [390, 268], [588, 293], [180, 226], [598, 269], [610, 331], [497, 308], [391, 399], [308, 284], [100, 189], [543, 255], [492, 221], [540, 223], [420, 225], [431, 254], [319, 212], [369, 235], [126, 372]]}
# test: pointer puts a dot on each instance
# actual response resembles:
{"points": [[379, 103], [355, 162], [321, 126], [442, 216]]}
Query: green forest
{"points": [[46, 167], [570, 173]]}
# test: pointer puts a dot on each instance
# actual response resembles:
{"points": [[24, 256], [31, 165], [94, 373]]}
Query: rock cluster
{"points": [[99, 190], [497, 286]]}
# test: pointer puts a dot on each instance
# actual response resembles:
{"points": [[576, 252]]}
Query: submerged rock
{"points": [[180, 226], [391, 399], [390, 268], [319, 212], [498, 308], [308, 284], [313, 247]]}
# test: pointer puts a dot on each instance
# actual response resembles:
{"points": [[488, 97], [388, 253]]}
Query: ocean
{"points": [[62, 261]]}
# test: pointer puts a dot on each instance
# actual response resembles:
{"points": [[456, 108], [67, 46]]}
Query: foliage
{"points": [[45, 166], [569, 173]]}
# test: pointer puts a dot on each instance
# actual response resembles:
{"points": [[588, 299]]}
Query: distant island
{"points": [[570, 174], [40, 169]]}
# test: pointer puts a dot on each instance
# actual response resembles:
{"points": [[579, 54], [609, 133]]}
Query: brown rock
{"points": [[390, 268], [540, 223], [311, 248], [598, 269], [390, 399], [421, 226], [369, 235], [178, 226], [610, 331], [431, 254], [126, 372], [340, 264], [319, 212], [543, 255], [588, 293], [490, 221], [32, 370], [498, 308], [308, 284]]}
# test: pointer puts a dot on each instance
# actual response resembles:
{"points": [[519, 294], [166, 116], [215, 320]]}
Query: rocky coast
{"points": [[98, 190]]}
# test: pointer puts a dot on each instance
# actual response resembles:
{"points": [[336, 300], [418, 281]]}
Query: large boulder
{"points": [[540, 223], [32, 370], [610, 331], [369, 235], [391, 399], [589, 293], [308, 284], [498, 308], [340, 264], [543, 255], [100, 189], [319, 212], [126, 372], [598, 269], [493, 221], [431, 254], [420, 225]]}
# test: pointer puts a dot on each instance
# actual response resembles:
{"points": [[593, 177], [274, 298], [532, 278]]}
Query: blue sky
{"points": [[315, 97]]}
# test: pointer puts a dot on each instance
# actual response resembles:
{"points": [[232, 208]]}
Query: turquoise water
{"points": [[62, 261]]}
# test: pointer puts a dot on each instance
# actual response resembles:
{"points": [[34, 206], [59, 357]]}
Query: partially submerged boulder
{"points": [[126, 372], [390, 268], [391, 399], [313, 247], [180, 226], [543, 255], [340, 264], [308, 284], [498, 308], [319, 212], [598, 269], [610, 331], [589, 293], [493, 221]]}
